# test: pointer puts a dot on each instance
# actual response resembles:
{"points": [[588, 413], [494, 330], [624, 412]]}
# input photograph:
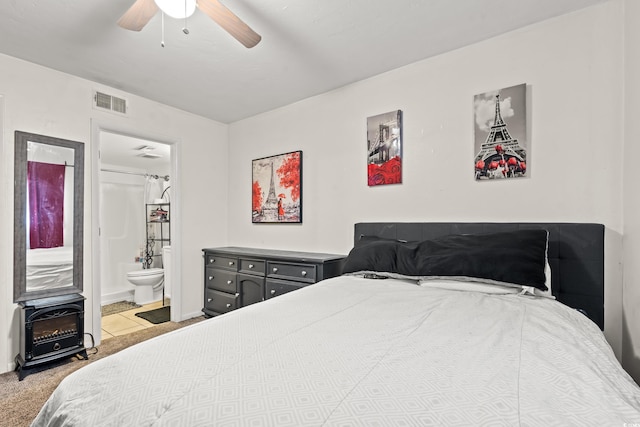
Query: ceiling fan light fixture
{"points": [[142, 11], [178, 9]]}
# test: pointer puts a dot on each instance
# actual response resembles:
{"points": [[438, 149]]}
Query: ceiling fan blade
{"points": [[229, 22], [138, 15]]}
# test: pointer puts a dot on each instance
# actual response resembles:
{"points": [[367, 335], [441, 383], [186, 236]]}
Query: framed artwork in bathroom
{"points": [[276, 189]]}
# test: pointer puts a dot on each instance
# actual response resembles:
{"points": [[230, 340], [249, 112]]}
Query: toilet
{"points": [[148, 285]]}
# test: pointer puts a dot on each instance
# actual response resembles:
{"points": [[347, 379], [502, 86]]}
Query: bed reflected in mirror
{"points": [[48, 216]]}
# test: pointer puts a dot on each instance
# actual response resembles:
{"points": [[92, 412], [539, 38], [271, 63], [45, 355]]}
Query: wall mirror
{"points": [[48, 216]]}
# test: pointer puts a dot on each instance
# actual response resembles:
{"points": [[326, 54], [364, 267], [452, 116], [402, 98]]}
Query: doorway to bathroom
{"points": [[132, 262]]}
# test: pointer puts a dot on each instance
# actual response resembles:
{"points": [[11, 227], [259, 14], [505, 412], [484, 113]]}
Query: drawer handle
{"points": [[212, 260], [237, 294], [229, 282], [209, 299], [231, 262], [228, 305], [251, 265], [210, 278], [275, 269], [304, 273], [273, 291]]}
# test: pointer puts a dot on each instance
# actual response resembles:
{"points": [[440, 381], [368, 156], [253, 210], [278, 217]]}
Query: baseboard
{"points": [[187, 316], [116, 297]]}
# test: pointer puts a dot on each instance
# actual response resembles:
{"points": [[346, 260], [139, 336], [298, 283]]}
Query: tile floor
{"points": [[126, 322]]}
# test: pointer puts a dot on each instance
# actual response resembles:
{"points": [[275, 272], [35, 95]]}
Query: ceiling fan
{"points": [[141, 12]]}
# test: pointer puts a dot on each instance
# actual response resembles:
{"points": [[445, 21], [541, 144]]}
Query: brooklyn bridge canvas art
{"points": [[384, 148]]}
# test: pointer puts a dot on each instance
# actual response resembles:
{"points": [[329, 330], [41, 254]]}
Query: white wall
{"points": [[630, 156], [43, 101], [572, 66]]}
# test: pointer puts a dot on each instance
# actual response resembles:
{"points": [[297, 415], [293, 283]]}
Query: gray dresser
{"points": [[235, 276]]}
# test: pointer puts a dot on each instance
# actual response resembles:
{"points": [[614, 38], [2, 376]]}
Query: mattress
{"points": [[49, 268], [353, 351]]}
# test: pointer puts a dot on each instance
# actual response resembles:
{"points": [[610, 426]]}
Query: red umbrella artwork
{"points": [[282, 176]]}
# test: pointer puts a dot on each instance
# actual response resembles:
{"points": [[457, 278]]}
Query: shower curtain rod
{"points": [[165, 177]]}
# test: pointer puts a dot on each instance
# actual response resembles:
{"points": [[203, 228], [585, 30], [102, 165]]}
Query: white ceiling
{"points": [[308, 46], [121, 151]]}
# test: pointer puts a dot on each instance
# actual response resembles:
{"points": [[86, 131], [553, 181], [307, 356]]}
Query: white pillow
{"points": [[547, 274], [470, 285], [457, 285]]}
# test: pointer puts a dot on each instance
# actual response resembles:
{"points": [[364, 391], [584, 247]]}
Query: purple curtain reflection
{"points": [[46, 204]]}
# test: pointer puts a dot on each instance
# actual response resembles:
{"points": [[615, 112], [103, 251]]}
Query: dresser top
{"points": [[275, 254]]}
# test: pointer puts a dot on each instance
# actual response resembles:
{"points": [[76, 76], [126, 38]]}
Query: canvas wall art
{"points": [[384, 149], [501, 134], [276, 195]]}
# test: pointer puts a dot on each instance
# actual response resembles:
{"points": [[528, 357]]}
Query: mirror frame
{"points": [[20, 292]]}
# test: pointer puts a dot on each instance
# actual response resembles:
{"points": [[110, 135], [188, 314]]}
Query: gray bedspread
{"points": [[351, 351]]}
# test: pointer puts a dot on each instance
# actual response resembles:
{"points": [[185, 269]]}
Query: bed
{"points": [[49, 268], [381, 348]]}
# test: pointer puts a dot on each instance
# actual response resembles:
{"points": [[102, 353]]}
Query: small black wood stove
{"points": [[52, 329]]}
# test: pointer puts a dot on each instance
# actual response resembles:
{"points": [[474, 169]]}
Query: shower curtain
{"points": [[152, 189], [45, 184]]}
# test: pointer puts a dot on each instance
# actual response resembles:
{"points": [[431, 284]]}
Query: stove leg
{"points": [[84, 354], [18, 369]]}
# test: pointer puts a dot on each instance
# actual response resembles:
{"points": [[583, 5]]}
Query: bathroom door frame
{"points": [[98, 126]]}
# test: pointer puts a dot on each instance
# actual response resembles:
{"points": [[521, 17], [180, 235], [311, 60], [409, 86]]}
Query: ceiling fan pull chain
{"points": [[185, 29], [162, 20]]}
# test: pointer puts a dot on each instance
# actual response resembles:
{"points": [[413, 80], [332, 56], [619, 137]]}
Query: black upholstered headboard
{"points": [[576, 254]]}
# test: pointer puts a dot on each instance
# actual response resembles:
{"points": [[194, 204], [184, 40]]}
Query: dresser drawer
{"points": [[220, 302], [291, 271], [252, 266], [212, 260], [220, 280], [274, 288], [251, 288]]}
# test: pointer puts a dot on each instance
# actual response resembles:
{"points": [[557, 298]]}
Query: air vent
{"points": [[146, 151], [148, 155], [118, 105], [109, 102]]}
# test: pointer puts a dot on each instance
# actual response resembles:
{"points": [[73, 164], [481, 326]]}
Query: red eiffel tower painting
{"points": [[282, 176]]}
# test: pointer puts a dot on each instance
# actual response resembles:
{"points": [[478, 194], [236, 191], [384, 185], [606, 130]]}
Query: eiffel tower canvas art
{"points": [[276, 194], [501, 134]]}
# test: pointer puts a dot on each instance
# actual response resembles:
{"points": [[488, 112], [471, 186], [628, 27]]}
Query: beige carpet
{"points": [[20, 401]]}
